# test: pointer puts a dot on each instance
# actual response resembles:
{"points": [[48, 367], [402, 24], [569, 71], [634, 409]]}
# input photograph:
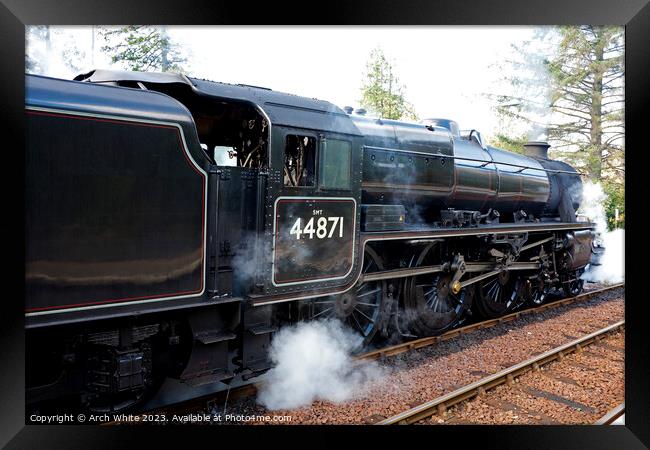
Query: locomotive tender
{"points": [[173, 224]]}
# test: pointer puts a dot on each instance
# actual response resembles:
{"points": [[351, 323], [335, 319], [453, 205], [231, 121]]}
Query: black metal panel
{"points": [[382, 217], [526, 189], [579, 245], [313, 239], [427, 170], [276, 190], [406, 164], [237, 229], [115, 209], [562, 184], [477, 183], [282, 109]]}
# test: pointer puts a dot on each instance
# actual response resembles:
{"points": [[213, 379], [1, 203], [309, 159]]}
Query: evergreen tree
{"points": [[513, 144], [34, 34], [573, 96], [587, 75], [382, 92], [577, 91], [143, 48]]}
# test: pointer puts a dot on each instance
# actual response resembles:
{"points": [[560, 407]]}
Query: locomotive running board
{"points": [[488, 229]]}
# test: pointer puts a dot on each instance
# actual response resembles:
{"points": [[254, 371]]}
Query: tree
{"points": [[33, 57], [587, 75], [382, 92], [52, 51], [524, 108], [615, 193], [143, 48], [574, 94], [513, 144]]}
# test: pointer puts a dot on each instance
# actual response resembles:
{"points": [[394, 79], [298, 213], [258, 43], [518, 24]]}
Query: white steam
{"points": [[612, 263], [312, 361]]}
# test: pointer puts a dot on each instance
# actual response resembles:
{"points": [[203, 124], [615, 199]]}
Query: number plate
{"points": [[313, 239]]}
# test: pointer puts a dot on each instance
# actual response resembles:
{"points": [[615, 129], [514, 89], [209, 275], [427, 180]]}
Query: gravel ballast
{"points": [[421, 375]]}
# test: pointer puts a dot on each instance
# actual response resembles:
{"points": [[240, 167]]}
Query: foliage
{"points": [[615, 199], [48, 50], [573, 94], [513, 144], [143, 48], [33, 34], [587, 74], [382, 92]]}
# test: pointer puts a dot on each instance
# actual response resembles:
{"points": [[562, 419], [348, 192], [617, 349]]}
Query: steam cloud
{"points": [[312, 361], [612, 264]]}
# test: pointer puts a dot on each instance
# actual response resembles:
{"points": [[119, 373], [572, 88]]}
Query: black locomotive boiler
{"points": [[174, 224]]}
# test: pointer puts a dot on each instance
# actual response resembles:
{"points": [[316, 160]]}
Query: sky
{"points": [[445, 70]]}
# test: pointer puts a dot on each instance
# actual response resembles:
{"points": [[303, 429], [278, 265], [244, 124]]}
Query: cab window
{"points": [[299, 161], [335, 160]]}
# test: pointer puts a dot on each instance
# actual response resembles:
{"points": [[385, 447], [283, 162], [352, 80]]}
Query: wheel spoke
{"points": [[361, 329], [374, 305], [435, 304], [361, 312], [491, 290], [432, 299], [323, 311], [368, 293], [370, 263]]}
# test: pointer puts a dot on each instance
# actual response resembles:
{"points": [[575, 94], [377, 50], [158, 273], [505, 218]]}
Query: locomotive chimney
{"points": [[536, 149]]}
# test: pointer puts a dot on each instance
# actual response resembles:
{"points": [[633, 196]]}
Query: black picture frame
{"points": [[15, 14]]}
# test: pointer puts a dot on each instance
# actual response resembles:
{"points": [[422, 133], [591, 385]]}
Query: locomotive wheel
{"points": [[574, 286], [497, 295], [431, 306], [536, 291], [361, 307]]}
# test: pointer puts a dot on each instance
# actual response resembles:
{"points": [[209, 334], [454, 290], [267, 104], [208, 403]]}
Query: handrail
{"points": [[462, 158]]}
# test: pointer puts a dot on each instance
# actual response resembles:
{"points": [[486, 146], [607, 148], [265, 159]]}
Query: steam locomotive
{"points": [[173, 224]]}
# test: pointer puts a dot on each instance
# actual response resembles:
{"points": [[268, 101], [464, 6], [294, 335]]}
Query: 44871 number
{"points": [[323, 228]]}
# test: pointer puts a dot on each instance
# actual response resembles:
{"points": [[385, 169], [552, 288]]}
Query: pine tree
{"points": [[578, 90], [143, 48], [382, 92], [587, 75], [574, 96], [33, 34], [512, 144]]}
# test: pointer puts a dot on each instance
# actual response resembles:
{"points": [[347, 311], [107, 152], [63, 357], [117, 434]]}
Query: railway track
{"points": [[612, 415], [441, 404], [225, 396], [432, 340]]}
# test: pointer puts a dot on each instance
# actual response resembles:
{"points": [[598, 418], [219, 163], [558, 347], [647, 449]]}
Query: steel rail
{"points": [[439, 405], [248, 390], [431, 340], [612, 415]]}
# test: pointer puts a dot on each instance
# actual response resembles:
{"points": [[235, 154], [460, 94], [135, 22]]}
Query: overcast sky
{"points": [[445, 69]]}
